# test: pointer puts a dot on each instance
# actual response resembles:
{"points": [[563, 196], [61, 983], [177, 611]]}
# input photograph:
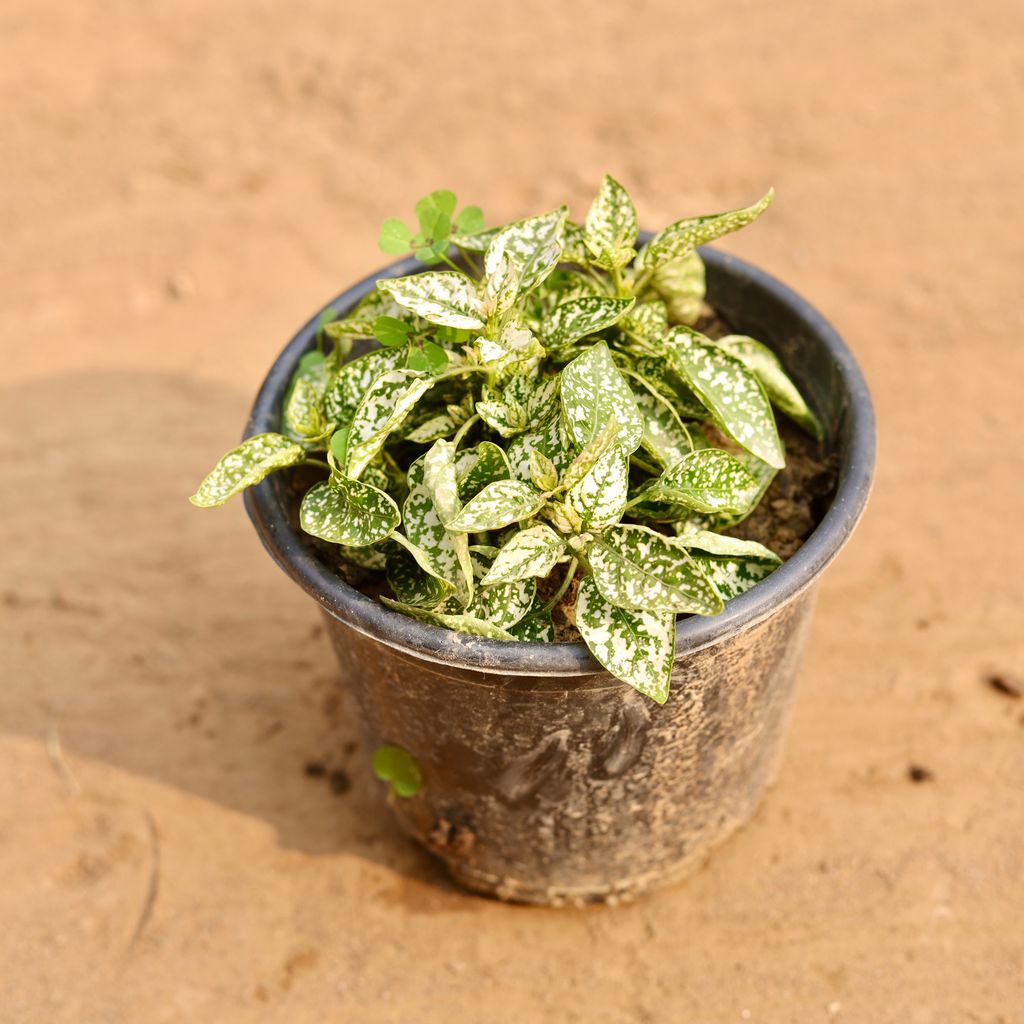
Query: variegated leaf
{"points": [[682, 237], [410, 584], [577, 318], [611, 227], [543, 474], [437, 550], [782, 392], [709, 480], [442, 297], [383, 408], [370, 557], [501, 603], [246, 465], [353, 380], [649, 319], [762, 473], [719, 544], [682, 284], [730, 391], [499, 504], [656, 374], [349, 512], [636, 568], [302, 414], [475, 241], [501, 286], [593, 390], [531, 552], [574, 246], [665, 436], [479, 466], [459, 623], [441, 424], [441, 481], [535, 626], [732, 565], [551, 439], [599, 498], [533, 245], [637, 647], [591, 452]]}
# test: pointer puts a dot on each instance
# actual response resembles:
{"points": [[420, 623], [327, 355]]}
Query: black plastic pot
{"points": [[546, 779]]}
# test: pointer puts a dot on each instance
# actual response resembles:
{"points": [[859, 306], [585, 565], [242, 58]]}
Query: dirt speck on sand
{"points": [[182, 186]]}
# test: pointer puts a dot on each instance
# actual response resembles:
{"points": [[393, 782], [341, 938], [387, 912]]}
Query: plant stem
{"points": [[560, 593], [464, 429], [316, 462], [455, 267]]}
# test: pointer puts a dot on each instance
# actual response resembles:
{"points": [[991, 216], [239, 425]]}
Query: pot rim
{"points": [[288, 548]]}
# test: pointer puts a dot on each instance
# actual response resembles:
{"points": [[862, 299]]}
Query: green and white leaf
{"points": [[411, 584], [590, 453], [499, 504], [763, 474], [579, 317], [459, 623], [682, 237], [534, 247], [730, 391], [732, 565], [711, 543], [552, 439], [353, 380], [479, 466], [536, 626], [501, 288], [708, 480], [531, 552], [682, 284], [782, 392], [246, 465], [437, 551], [636, 568], [611, 226], [665, 436], [441, 297], [543, 474], [441, 424], [599, 498], [351, 512], [441, 482], [649, 319], [657, 374], [637, 647], [382, 409], [593, 391], [502, 604], [302, 415]]}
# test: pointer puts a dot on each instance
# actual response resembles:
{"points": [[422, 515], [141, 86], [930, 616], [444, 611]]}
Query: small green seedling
{"points": [[397, 766], [538, 412]]}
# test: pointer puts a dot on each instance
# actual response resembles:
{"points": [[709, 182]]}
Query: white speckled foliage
{"points": [[535, 418]]}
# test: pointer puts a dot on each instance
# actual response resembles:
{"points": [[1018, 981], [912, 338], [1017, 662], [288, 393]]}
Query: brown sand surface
{"points": [[182, 184]]}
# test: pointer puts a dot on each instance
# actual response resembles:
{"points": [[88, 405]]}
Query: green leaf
{"points": [[536, 626], [665, 437], [577, 318], [459, 623], [682, 237], [397, 766], [441, 481], [709, 480], [479, 466], [593, 390], [782, 392], [531, 552], [599, 498], [339, 445], [440, 201], [395, 237], [349, 512], [543, 474], [383, 408], [682, 284], [611, 227], [246, 465], [730, 391], [411, 584], [470, 221], [636, 568], [353, 380], [390, 331], [442, 297], [499, 504], [533, 245], [428, 358], [637, 647]]}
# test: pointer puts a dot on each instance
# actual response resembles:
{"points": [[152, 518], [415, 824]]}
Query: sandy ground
{"points": [[182, 184]]}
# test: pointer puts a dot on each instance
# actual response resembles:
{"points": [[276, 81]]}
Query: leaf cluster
{"points": [[539, 412]]}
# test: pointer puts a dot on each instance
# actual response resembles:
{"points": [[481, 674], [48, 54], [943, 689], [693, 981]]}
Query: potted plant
{"points": [[540, 491]]}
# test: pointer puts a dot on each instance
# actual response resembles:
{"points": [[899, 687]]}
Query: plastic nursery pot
{"points": [[546, 780]]}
